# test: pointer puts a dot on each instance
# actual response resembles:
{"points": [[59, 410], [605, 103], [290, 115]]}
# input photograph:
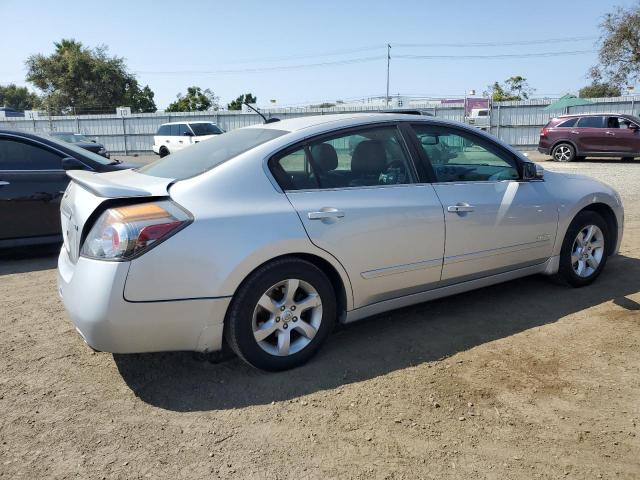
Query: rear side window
{"points": [[364, 158], [15, 155], [591, 122], [183, 129], [567, 123], [164, 130], [204, 156]]}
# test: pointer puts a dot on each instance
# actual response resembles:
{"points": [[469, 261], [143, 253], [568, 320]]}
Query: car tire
{"points": [[584, 250], [563, 152], [262, 325], [163, 152]]}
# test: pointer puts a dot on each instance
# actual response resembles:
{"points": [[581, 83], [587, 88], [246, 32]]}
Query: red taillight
{"points": [[543, 132], [151, 233], [123, 232]]}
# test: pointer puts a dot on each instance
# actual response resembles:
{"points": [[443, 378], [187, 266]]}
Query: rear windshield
{"points": [[206, 155], [205, 129]]}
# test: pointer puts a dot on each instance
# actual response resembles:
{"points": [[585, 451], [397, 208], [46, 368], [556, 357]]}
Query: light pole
{"points": [[388, 63]]}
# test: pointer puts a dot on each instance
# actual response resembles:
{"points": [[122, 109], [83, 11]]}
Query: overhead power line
{"points": [[264, 69], [506, 43], [359, 60], [502, 55]]}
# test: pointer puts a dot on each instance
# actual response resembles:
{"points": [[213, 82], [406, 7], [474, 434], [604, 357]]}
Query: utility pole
{"points": [[388, 62]]}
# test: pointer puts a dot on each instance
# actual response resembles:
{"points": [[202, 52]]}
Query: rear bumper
{"points": [[544, 150], [155, 149], [92, 293]]}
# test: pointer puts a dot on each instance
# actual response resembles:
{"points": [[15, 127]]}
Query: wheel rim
{"points": [[587, 251], [287, 317], [562, 153]]}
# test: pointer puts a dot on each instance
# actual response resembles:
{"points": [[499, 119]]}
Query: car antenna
{"points": [[266, 120]]}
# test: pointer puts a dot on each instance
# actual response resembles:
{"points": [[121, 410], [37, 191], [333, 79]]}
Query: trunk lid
{"points": [[87, 191]]}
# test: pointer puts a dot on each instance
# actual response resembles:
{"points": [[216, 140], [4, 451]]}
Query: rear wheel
{"points": [[563, 152], [281, 315], [163, 152], [584, 249]]}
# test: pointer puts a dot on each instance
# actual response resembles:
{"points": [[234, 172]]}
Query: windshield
{"points": [[205, 129], [204, 156], [73, 137], [80, 151]]}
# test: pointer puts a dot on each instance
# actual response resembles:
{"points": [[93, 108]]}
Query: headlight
{"points": [[122, 233], [102, 150]]}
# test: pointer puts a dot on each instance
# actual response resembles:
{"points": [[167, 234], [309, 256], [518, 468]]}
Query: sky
{"points": [[258, 46]]}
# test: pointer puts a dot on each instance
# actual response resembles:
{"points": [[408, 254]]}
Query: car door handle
{"points": [[3, 183], [576, 132], [460, 208], [325, 213], [609, 133]]}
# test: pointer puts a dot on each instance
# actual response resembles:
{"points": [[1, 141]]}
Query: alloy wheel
{"points": [[287, 317], [587, 251], [562, 153]]}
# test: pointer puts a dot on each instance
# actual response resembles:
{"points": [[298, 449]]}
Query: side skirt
{"points": [[400, 302]]}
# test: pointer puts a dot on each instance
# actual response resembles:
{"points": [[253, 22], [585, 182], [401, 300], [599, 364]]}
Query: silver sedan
{"points": [[266, 236]]}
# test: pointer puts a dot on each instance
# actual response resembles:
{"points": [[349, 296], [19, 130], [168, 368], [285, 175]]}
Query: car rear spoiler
{"points": [[125, 183]]}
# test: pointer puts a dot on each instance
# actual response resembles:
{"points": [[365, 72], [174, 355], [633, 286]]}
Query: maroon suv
{"points": [[571, 137]]}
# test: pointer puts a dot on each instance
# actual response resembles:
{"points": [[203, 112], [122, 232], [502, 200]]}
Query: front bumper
{"points": [[92, 293]]}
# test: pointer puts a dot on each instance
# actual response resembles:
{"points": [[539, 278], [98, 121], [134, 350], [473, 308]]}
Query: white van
{"points": [[175, 136]]}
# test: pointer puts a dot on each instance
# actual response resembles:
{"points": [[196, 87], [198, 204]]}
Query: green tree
{"points": [[513, 88], [140, 100], [75, 78], [598, 90], [237, 103], [619, 47], [195, 100], [18, 98]]}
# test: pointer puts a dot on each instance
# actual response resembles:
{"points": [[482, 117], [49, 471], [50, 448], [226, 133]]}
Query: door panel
{"points": [[30, 203], [509, 224], [389, 239], [32, 183]]}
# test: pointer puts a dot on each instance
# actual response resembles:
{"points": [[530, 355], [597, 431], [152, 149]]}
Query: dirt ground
{"points": [[522, 380]]}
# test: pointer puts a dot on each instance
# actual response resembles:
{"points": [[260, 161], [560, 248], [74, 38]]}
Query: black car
{"points": [[82, 141], [32, 181]]}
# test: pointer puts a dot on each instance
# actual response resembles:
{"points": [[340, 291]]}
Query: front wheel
{"points": [[281, 315], [584, 249], [563, 152]]}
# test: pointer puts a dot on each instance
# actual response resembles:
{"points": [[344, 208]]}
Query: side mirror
{"points": [[532, 171], [93, 141], [71, 163]]}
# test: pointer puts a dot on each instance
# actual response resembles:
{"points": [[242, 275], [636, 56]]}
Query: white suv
{"points": [[175, 136]]}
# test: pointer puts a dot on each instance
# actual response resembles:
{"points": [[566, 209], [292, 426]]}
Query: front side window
{"points": [[591, 122], [364, 158], [458, 156], [15, 155], [200, 129]]}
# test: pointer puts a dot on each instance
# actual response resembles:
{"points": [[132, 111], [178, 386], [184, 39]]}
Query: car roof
{"points": [[604, 114], [187, 121], [344, 120]]}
